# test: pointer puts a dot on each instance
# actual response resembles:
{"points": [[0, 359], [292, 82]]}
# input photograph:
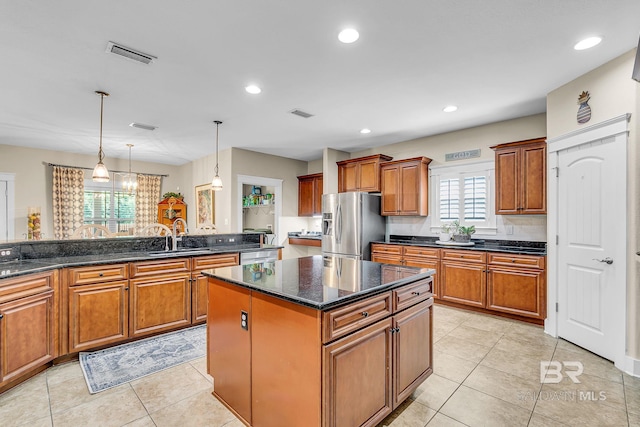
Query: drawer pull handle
{"points": [[513, 260], [415, 293], [365, 314], [100, 274]]}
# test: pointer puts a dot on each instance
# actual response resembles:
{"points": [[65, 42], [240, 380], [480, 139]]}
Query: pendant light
{"points": [[100, 172], [129, 183], [216, 183]]}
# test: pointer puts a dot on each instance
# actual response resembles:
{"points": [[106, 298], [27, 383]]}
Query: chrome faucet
{"points": [[174, 233]]}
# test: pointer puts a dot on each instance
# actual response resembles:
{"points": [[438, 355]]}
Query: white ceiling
{"points": [[495, 59]]}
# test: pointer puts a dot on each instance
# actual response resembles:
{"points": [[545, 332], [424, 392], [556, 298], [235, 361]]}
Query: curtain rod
{"points": [[90, 169]]}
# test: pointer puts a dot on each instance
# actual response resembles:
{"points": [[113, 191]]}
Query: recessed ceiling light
{"points": [[348, 35], [587, 43], [365, 130], [449, 108], [253, 89]]}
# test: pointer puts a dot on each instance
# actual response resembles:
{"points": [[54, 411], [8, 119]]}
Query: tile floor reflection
{"points": [[486, 373]]}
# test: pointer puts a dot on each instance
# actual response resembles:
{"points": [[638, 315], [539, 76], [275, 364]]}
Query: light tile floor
{"points": [[486, 373]]}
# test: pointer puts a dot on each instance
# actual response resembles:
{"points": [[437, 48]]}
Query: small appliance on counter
{"points": [[350, 222]]}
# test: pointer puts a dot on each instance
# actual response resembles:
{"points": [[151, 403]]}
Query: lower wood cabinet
{"points": [[350, 366], [464, 283], [28, 324], [199, 281]]}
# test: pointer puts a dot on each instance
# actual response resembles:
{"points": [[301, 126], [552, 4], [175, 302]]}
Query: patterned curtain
{"points": [[68, 201], [147, 199]]}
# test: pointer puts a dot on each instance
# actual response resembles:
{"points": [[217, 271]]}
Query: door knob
{"points": [[606, 260]]}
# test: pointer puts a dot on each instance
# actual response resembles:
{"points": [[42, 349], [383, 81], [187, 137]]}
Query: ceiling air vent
{"points": [[301, 113], [129, 53], [141, 126]]}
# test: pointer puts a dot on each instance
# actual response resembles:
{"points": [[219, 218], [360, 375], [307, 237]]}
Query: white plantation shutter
{"points": [[475, 198], [449, 199]]}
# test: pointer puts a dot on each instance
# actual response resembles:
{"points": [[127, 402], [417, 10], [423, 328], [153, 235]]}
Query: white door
{"points": [[591, 245], [4, 211]]}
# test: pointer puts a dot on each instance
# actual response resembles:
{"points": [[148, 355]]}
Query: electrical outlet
{"points": [[226, 221], [509, 229], [270, 227]]}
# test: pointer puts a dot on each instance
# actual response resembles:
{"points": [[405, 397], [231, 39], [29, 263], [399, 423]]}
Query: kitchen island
{"points": [[318, 341]]}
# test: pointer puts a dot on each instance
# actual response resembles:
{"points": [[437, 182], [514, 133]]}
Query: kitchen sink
{"points": [[180, 251]]}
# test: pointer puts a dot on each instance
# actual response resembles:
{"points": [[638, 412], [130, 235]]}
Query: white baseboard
{"points": [[632, 366]]}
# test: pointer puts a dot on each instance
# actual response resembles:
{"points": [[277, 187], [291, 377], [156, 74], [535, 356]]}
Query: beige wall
{"points": [[613, 93], [33, 179]]}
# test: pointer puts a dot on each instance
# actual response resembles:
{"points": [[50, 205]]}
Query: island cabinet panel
{"points": [[413, 356], [463, 277], [344, 320], [357, 371], [229, 346], [285, 358], [517, 285], [360, 174], [28, 324], [199, 281], [386, 254]]}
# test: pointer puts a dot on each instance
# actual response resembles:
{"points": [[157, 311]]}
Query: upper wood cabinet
{"points": [[310, 194], [405, 186], [521, 179], [360, 174]]}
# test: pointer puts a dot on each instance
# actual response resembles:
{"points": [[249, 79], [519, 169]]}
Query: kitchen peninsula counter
{"points": [[294, 342]]}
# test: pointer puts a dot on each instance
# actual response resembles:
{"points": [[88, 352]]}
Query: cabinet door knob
{"points": [[1, 315], [365, 314], [100, 274], [126, 289]]}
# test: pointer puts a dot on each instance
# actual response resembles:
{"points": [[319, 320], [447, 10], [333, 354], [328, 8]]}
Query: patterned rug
{"points": [[113, 366]]}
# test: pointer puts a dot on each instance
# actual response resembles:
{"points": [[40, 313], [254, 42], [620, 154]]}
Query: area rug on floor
{"points": [[113, 366]]}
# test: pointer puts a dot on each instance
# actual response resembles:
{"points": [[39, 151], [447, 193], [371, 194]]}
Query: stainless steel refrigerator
{"points": [[350, 222]]}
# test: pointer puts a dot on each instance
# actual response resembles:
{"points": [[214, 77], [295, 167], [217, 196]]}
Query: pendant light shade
{"points": [[216, 183], [130, 183], [100, 172]]}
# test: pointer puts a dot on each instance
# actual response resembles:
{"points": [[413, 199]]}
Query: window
{"points": [[106, 203], [463, 193]]}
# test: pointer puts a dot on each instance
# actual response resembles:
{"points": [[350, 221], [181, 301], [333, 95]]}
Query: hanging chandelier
{"points": [[100, 172], [216, 183], [130, 184]]}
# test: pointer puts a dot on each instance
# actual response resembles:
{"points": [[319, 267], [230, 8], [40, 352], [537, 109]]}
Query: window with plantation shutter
{"points": [[464, 194], [105, 203]]}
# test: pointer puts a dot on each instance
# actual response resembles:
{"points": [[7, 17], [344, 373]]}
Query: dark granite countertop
{"points": [[60, 254], [320, 282], [508, 246], [314, 235]]}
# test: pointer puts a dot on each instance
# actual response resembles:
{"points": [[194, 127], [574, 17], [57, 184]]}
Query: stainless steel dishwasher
{"points": [[259, 256]]}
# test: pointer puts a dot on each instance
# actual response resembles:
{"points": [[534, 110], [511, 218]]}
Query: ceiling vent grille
{"points": [[129, 53], [141, 126], [301, 113]]}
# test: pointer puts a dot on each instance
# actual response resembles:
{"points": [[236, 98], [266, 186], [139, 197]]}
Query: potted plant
{"points": [[445, 232], [170, 194], [463, 234]]}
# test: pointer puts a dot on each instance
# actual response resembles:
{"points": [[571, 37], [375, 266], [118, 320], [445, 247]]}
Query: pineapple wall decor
{"points": [[584, 111]]}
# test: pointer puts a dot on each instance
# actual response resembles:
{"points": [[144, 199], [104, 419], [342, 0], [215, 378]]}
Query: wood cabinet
{"points": [[28, 324], [160, 295], [463, 277], [98, 305], [310, 195], [169, 210], [521, 177], [349, 366], [405, 185], [199, 281], [517, 285], [360, 174], [410, 256]]}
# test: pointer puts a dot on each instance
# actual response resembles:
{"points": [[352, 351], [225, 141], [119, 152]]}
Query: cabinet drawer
{"points": [[386, 249], [153, 268], [418, 252], [11, 289], [412, 294], [97, 274], [471, 256], [342, 321], [204, 262], [516, 260]]}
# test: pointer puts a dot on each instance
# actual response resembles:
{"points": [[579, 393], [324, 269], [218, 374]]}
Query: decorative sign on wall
{"points": [[584, 111], [462, 155]]}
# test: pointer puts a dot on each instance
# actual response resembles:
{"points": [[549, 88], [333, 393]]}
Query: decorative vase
{"points": [[33, 223], [461, 238], [445, 237]]}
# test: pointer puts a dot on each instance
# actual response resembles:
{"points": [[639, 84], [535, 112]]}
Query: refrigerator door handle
{"points": [[339, 224]]}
